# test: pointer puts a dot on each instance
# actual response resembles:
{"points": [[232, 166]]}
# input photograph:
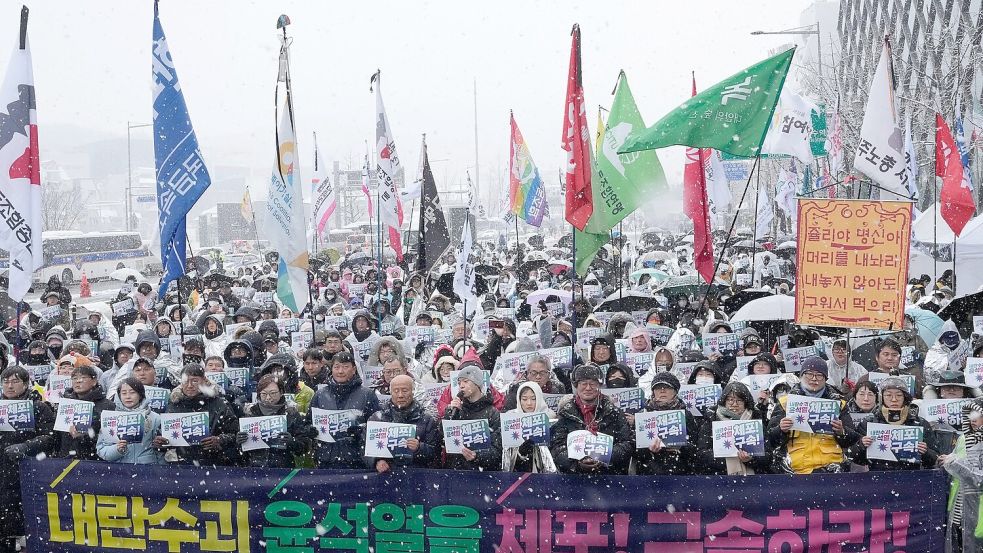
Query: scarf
{"points": [[734, 464], [404, 415], [895, 416], [269, 410], [588, 412], [813, 394]]}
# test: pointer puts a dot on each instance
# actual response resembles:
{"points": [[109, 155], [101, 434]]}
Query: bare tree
{"points": [[61, 208]]}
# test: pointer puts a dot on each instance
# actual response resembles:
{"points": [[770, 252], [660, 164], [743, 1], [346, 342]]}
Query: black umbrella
{"points": [[532, 265], [445, 284], [486, 270], [199, 264], [217, 280], [737, 301], [628, 302], [961, 310]]}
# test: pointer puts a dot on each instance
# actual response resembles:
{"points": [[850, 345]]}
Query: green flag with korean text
{"points": [[731, 116], [620, 183]]}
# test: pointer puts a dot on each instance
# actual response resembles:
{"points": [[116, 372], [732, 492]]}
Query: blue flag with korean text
{"points": [[181, 174]]}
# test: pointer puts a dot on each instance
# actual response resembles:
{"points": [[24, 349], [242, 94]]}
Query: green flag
{"points": [[620, 183], [731, 116]]}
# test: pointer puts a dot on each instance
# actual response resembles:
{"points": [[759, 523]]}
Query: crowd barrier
{"points": [[89, 506]]}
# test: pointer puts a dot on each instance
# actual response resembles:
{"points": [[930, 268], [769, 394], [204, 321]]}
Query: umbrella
{"points": [[486, 270], [928, 324], [199, 264], [758, 257], [540, 295], [126, 274], [628, 302], [686, 285], [738, 300], [445, 284], [559, 266], [786, 246], [531, 265], [771, 308], [536, 256], [961, 311], [744, 244], [657, 275]]}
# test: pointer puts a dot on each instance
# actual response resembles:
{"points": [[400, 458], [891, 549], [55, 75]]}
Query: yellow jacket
{"points": [[808, 452]]}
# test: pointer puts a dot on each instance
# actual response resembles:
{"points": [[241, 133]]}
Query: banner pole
{"points": [[573, 292], [754, 232]]}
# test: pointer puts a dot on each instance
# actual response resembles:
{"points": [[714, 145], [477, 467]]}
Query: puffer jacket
{"points": [[928, 458], [554, 386], [427, 431], [489, 458], [610, 420], [281, 453], [803, 452], [346, 451], [142, 453], [706, 462], [84, 446], [222, 424], [41, 439], [670, 461]]}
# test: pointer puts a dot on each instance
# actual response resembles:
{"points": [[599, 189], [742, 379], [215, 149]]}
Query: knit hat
{"points": [[589, 371], [816, 365], [895, 384], [472, 373], [666, 379]]}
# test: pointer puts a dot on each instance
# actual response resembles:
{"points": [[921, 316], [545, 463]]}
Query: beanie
{"points": [[816, 365]]}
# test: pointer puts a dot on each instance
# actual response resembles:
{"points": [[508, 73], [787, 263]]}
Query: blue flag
{"points": [[181, 174]]}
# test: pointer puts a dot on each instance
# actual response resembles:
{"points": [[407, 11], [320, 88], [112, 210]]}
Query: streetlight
{"points": [[802, 31], [129, 173]]}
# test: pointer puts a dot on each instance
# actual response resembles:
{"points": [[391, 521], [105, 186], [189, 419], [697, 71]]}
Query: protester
{"points": [[539, 370], [132, 398], [658, 459], [344, 391], [529, 457], [196, 394], [285, 446], [473, 403], [79, 443], [402, 408], [735, 403], [896, 410]]}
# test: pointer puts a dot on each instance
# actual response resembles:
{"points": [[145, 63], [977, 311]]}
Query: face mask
{"points": [[55, 350], [682, 304], [329, 297], [704, 380]]}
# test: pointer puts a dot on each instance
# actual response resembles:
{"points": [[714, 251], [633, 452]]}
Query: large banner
{"points": [[852, 263], [87, 506]]}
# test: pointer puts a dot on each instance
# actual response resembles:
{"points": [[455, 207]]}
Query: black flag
{"points": [[434, 239]]}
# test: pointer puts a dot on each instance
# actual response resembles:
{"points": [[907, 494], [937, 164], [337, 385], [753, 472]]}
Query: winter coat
{"points": [[804, 452], [529, 457], [707, 463], [489, 458], [670, 461], [41, 439], [427, 431], [84, 446], [610, 420], [445, 399], [142, 453], [346, 451], [281, 454], [928, 458], [222, 423]]}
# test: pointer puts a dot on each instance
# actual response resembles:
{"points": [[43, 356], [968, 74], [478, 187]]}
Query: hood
{"points": [[204, 326], [640, 331], [631, 381], [363, 314], [249, 312], [165, 322], [170, 309], [56, 330], [385, 340], [228, 359], [541, 406], [145, 337], [707, 365], [610, 341], [617, 323], [269, 326], [661, 349], [740, 390]]}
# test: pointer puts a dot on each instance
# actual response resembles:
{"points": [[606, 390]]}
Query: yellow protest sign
{"points": [[852, 263]]}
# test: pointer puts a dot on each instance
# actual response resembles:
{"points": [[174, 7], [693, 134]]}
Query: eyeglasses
{"points": [[81, 378], [14, 380], [589, 384], [269, 395], [813, 376], [537, 373]]}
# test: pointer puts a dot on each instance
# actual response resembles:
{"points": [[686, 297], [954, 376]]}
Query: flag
{"points": [[696, 207], [620, 183], [880, 148], [576, 142], [963, 150], [785, 196], [387, 166], [246, 207], [20, 179], [284, 220], [181, 173], [718, 186], [834, 144], [911, 160], [791, 127], [365, 185], [474, 201], [464, 275], [434, 239], [527, 195], [731, 116], [325, 197], [765, 215], [957, 200]]}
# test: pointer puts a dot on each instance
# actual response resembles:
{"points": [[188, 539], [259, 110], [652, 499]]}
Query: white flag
{"points": [[464, 276], [791, 127], [20, 170], [785, 197], [387, 167], [766, 214], [718, 187], [880, 150], [325, 198], [834, 144]]}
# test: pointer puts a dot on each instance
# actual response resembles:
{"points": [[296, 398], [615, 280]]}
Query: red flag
{"points": [[580, 204], [696, 207], [957, 201]]}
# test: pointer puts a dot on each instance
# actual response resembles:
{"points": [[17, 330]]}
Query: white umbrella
{"points": [[534, 297], [125, 274], [772, 308]]}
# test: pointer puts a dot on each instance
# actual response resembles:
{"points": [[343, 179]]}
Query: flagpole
{"points": [[573, 292], [754, 233], [313, 214], [621, 265]]}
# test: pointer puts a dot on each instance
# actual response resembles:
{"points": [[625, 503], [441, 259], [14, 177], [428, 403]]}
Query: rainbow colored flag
{"points": [[526, 192]]}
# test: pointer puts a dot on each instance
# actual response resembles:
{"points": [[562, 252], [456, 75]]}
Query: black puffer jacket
{"points": [[427, 431], [84, 447], [928, 459], [41, 439], [706, 462], [489, 458], [610, 420], [674, 461], [222, 423], [281, 453], [346, 451]]}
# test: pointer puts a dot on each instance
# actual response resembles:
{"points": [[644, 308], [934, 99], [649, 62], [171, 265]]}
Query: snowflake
{"points": [[175, 434], [727, 444], [254, 438], [882, 446], [324, 430], [380, 445], [68, 420], [515, 435], [457, 442], [578, 449], [651, 435], [800, 418]]}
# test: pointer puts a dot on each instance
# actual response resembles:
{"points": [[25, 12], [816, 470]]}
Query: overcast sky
{"points": [[92, 69]]}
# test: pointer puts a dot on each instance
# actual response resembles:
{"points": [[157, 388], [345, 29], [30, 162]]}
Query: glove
{"points": [[16, 452], [527, 448], [242, 438]]}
